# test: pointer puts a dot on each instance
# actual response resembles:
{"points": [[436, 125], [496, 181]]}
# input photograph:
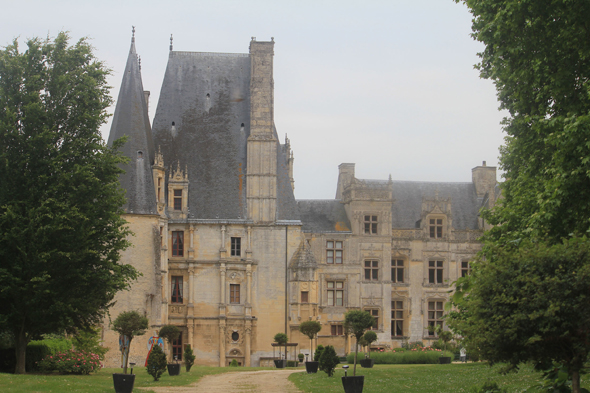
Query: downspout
{"points": [[286, 284]]}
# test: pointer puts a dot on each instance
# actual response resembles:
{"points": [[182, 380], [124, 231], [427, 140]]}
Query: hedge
{"points": [[36, 351], [402, 357]]}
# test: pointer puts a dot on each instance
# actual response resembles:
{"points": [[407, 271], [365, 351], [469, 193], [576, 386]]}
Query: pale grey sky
{"points": [[388, 85]]}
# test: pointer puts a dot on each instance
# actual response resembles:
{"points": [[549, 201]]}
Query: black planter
{"points": [[353, 384], [280, 363], [312, 367], [367, 363], [123, 382], [173, 369], [444, 360]]}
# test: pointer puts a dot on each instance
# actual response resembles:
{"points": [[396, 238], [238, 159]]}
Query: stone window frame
{"points": [[177, 199], [379, 314], [438, 317], [337, 329], [334, 249], [370, 224], [178, 297], [235, 246], [235, 293], [304, 299], [177, 347], [464, 268], [404, 316], [445, 272], [372, 269], [404, 266], [177, 252], [430, 226], [335, 289]]}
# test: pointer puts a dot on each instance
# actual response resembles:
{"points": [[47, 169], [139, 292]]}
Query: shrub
{"points": [[300, 357], [89, 341], [422, 356], [189, 357], [156, 364], [328, 360], [291, 363], [70, 362], [318, 353], [488, 387], [38, 350], [234, 363]]}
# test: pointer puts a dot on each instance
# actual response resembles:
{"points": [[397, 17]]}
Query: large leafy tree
{"points": [[61, 228], [537, 52]]}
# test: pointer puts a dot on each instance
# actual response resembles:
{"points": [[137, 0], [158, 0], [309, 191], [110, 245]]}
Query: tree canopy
{"points": [[537, 53], [356, 322], [130, 324], [61, 228]]}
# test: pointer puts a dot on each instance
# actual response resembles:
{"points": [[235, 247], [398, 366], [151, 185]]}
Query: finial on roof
{"points": [[253, 38], [139, 61], [132, 33], [272, 39], [171, 39], [390, 179]]}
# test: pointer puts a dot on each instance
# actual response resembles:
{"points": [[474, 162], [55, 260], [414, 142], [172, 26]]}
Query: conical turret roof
{"points": [[131, 120]]}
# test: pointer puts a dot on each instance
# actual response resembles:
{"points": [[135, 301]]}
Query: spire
{"points": [[171, 39], [131, 120]]}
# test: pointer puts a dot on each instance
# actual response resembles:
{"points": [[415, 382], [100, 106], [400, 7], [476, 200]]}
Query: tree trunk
{"points": [[126, 357], [356, 351], [311, 349], [21, 352], [576, 381]]}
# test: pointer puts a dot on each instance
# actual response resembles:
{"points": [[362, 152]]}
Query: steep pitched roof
{"points": [[407, 205], [323, 215], [131, 120], [203, 122]]}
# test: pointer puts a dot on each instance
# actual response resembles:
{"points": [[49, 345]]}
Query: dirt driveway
{"points": [[238, 382]]}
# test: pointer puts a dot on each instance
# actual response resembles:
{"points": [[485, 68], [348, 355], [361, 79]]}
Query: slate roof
{"points": [[407, 206], [131, 119], [323, 215], [203, 121]]}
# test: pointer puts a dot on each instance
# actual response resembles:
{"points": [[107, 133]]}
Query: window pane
{"points": [[338, 244], [367, 274], [400, 305], [330, 298], [339, 284], [339, 295], [330, 245], [431, 276], [330, 284], [439, 276], [375, 274]]}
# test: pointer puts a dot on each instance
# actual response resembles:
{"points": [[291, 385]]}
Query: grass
{"points": [[422, 378], [102, 381], [415, 378]]}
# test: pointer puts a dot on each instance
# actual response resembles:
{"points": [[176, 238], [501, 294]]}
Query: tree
{"points": [[61, 229], [156, 364], [537, 53], [355, 323], [169, 333], [369, 337], [310, 329], [281, 339], [318, 353], [189, 357], [530, 303], [130, 324], [329, 360]]}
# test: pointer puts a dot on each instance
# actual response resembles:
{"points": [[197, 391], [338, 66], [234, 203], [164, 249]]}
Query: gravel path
{"points": [[238, 382]]}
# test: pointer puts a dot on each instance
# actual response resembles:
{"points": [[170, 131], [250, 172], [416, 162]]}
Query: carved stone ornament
{"points": [[233, 275], [230, 331]]}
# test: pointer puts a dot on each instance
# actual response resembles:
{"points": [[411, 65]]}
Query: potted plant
{"points": [[128, 324], [156, 363], [356, 322], [300, 357], [445, 336], [329, 360], [281, 339], [171, 333], [368, 338], [310, 329], [189, 357]]}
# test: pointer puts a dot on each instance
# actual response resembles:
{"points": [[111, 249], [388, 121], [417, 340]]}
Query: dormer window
{"points": [[436, 228], [370, 225], [177, 199]]}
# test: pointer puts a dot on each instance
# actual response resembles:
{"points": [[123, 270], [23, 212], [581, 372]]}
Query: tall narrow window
{"points": [[334, 252], [370, 225], [372, 270], [375, 313], [304, 297], [236, 246], [435, 272], [234, 293], [436, 228], [158, 196], [177, 199], [465, 269], [335, 293], [177, 348], [397, 270], [397, 318], [178, 243], [176, 289], [435, 314]]}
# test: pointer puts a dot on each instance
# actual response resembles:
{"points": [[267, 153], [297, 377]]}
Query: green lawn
{"points": [[422, 378], [427, 378]]}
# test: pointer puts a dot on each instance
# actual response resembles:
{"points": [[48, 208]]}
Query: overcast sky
{"points": [[388, 85]]}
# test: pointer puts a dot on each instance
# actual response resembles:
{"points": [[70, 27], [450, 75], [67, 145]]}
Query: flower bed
{"points": [[70, 362], [426, 355]]}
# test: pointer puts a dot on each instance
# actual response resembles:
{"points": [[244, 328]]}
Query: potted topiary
{"points": [[156, 363], [128, 324], [281, 339], [310, 329], [355, 323], [300, 357], [445, 336], [368, 338], [171, 333], [189, 357]]}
